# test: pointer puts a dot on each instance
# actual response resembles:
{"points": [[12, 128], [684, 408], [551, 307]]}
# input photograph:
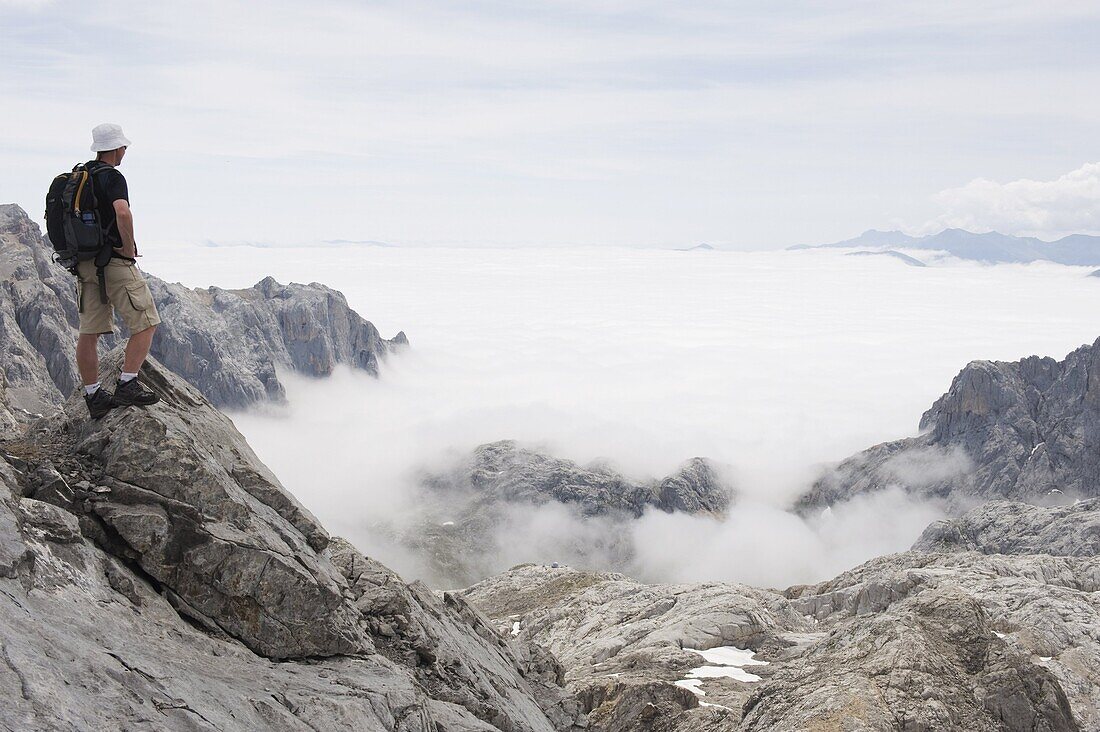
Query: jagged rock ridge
{"points": [[228, 343], [468, 516], [1028, 430], [150, 566]]}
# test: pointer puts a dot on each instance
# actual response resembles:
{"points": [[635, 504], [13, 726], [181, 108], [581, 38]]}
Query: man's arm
{"points": [[125, 219]]}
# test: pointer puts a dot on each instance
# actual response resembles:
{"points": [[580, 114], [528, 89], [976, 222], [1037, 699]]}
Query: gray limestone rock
{"points": [[937, 641], [37, 319], [1026, 431], [228, 343], [624, 644], [1002, 527], [946, 641], [929, 662], [172, 583]]}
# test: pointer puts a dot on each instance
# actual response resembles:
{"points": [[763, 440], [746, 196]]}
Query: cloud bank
{"points": [[772, 363], [1046, 208]]}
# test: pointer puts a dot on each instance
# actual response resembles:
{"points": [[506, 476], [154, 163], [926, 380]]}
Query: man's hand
{"points": [[125, 220]]}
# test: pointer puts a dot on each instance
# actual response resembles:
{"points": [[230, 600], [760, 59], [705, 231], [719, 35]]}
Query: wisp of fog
{"points": [[774, 364]]}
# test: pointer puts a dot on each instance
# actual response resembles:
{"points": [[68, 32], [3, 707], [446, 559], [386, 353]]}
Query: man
{"points": [[127, 291]]}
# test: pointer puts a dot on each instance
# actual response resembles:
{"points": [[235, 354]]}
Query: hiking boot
{"points": [[99, 402], [132, 392]]}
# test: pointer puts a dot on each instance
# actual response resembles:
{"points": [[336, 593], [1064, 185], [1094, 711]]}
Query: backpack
{"points": [[72, 221]]}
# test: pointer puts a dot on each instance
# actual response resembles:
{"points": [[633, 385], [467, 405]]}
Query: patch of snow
{"points": [[729, 656], [515, 628], [999, 635], [448, 523], [1045, 659], [727, 662], [1034, 449], [691, 685], [722, 672]]}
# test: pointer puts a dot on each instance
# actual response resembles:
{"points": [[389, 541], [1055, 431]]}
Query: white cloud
{"points": [[771, 362], [1045, 208]]}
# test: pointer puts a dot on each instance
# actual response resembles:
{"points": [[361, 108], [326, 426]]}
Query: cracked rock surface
{"points": [[154, 575], [945, 640]]}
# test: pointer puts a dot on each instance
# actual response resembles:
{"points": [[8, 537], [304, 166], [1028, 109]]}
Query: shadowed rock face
{"points": [[228, 343], [1027, 430], [150, 566], [37, 319]]}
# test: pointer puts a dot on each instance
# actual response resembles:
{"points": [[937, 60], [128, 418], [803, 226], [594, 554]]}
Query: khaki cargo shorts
{"points": [[128, 294]]}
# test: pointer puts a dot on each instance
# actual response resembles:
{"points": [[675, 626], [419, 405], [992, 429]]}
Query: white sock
{"points": [[126, 377], [90, 389]]}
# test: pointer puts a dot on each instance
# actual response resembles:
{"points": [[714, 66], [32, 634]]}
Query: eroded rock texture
{"points": [[949, 640], [154, 575]]}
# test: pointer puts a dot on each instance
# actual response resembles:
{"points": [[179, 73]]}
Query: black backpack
{"points": [[72, 221]]}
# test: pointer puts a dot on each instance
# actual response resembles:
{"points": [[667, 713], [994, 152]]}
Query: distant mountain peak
{"points": [[991, 247]]}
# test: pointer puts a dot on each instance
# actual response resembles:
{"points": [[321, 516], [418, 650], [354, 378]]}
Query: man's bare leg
{"points": [[87, 357], [137, 349]]}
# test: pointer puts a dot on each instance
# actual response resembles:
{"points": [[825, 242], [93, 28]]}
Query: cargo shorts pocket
{"points": [[138, 294]]}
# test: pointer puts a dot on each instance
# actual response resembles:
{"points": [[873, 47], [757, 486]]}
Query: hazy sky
{"points": [[571, 122]]}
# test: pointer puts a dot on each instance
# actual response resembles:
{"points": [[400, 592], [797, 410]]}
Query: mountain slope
{"points": [[152, 571], [1028, 430]]}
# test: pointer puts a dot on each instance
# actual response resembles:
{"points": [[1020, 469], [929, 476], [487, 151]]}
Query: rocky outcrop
{"points": [[152, 571], [471, 514], [946, 641], [943, 641], [504, 472], [1002, 527], [625, 644], [1027, 430], [230, 344]]}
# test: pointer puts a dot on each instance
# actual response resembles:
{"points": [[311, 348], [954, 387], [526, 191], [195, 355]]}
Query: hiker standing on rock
{"points": [[110, 282]]}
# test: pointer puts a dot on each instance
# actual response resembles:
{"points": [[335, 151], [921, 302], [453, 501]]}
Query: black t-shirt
{"points": [[110, 186]]}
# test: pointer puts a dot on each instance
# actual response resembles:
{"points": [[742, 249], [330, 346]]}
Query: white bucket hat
{"points": [[108, 137]]}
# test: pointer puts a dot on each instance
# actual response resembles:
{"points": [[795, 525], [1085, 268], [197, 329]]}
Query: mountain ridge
{"points": [[990, 247]]}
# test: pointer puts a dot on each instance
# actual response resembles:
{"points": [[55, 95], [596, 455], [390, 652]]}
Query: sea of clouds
{"points": [[774, 364]]}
